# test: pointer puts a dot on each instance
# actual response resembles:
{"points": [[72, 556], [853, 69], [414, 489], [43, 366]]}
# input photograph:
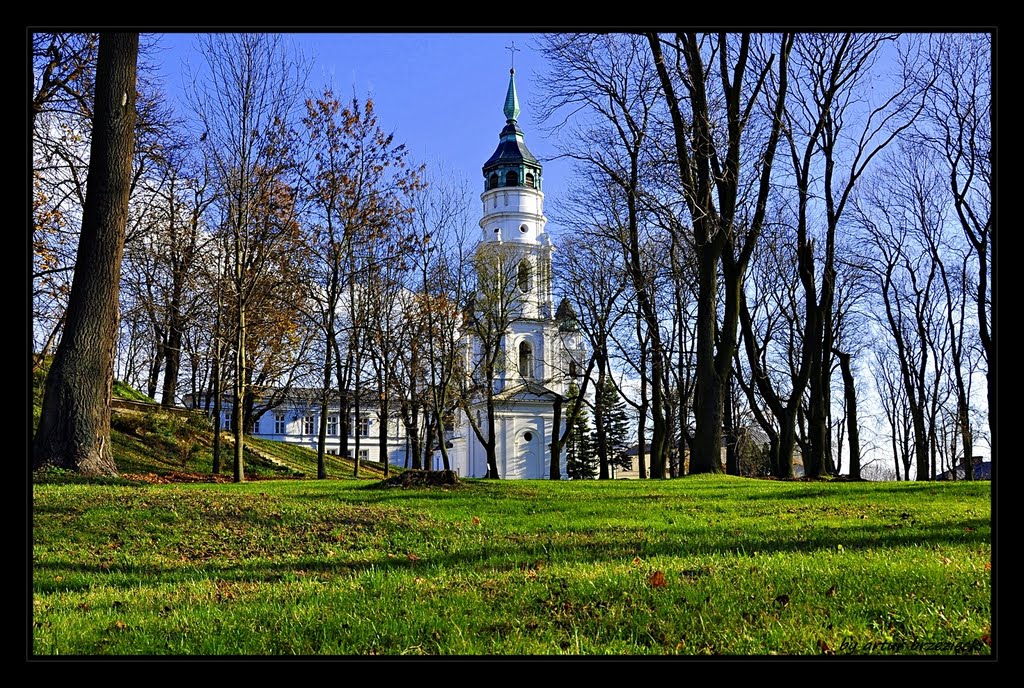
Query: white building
{"points": [[539, 356], [296, 419]]}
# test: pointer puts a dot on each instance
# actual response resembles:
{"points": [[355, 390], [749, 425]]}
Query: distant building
{"points": [[296, 420], [982, 470]]}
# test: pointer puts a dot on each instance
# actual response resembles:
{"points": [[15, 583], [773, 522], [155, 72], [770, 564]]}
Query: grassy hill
{"points": [[705, 565], [154, 444]]}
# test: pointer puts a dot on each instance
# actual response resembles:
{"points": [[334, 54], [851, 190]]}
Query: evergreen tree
{"points": [[580, 461], [616, 424]]}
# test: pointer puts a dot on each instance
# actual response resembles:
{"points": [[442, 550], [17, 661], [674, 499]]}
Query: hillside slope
{"points": [[159, 445]]}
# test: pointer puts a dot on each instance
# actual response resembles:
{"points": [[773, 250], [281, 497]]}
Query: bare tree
{"points": [[242, 104], [710, 110], [606, 84], [594, 279], [957, 124]]}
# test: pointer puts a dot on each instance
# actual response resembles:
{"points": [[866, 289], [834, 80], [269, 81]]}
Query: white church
{"points": [[540, 353], [539, 356]]}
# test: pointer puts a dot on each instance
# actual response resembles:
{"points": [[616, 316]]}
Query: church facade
{"points": [[538, 354]]}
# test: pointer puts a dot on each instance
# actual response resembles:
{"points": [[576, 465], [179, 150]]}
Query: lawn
{"points": [[698, 565]]}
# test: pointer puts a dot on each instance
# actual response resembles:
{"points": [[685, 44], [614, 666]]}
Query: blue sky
{"points": [[440, 93]]}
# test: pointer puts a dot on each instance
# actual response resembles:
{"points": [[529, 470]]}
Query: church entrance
{"points": [[523, 461]]}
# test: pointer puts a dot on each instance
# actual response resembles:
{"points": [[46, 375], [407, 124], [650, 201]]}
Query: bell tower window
{"points": [[529, 180], [525, 360], [492, 181], [512, 178], [524, 276]]}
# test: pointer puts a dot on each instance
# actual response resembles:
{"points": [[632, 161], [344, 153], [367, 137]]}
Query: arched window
{"points": [[529, 179], [512, 178], [525, 360], [524, 276], [492, 181]]}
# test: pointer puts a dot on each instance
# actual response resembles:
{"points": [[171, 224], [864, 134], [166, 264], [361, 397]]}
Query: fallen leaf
{"points": [[825, 649], [988, 565], [782, 600], [637, 561], [476, 521], [968, 530], [947, 561], [412, 557], [987, 639], [657, 580], [58, 579], [831, 592], [120, 624]]}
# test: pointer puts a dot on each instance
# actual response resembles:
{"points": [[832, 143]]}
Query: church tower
{"points": [[533, 373], [513, 217]]}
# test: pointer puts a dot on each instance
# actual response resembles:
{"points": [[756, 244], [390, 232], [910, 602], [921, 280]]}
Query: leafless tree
{"points": [[242, 103]]}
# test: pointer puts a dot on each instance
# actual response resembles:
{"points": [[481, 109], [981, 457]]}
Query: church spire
{"points": [[511, 99]]}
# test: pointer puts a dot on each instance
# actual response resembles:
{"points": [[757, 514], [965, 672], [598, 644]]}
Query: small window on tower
{"points": [[512, 179], [525, 360], [524, 276], [492, 181], [524, 229], [529, 179]]}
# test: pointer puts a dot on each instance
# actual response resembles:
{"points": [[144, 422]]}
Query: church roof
{"points": [[527, 388], [511, 147]]}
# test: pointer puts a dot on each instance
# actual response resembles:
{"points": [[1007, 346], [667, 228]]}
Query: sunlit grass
{"points": [[529, 567]]}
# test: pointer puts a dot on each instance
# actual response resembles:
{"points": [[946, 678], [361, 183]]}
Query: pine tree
{"points": [[580, 461], [616, 424]]}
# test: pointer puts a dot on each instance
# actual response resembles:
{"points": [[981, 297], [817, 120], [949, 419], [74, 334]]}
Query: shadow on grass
{"points": [[518, 550]]}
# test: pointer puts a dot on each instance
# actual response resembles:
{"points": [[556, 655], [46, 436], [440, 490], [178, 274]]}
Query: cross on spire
{"points": [[513, 49]]}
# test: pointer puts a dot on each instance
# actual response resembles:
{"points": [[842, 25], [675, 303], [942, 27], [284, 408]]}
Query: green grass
{"points": [[122, 390], [303, 567]]}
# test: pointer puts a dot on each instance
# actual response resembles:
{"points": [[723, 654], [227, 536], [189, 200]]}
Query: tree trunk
{"points": [[153, 379], [321, 444], [554, 472], [382, 435], [74, 429], [707, 443], [172, 352], [641, 437], [853, 434], [238, 403], [217, 382], [599, 411], [490, 445], [732, 464]]}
